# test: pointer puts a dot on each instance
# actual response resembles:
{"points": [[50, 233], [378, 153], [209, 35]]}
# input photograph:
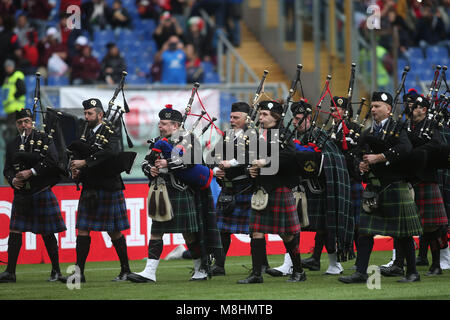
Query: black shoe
{"points": [[7, 277], [421, 261], [297, 277], [264, 268], [217, 270], [311, 264], [133, 277], [123, 276], [356, 277], [275, 273], [392, 271], [413, 277], [252, 279], [434, 271], [57, 276]]}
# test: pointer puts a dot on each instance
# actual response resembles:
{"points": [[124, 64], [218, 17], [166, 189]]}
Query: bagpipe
{"points": [[179, 146], [111, 123], [40, 140], [391, 126], [435, 114]]}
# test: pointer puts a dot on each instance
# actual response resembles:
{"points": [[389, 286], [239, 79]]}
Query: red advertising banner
{"points": [[33, 249]]}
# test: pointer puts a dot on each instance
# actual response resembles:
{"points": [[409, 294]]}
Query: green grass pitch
{"points": [[172, 284]]}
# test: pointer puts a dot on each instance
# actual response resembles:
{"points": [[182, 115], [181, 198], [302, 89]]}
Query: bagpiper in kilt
{"points": [[191, 208], [328, 203], [355, 177], [388, 205], [35, 207], [102, 204], [273, 203], [233, 204], [424, 178]]}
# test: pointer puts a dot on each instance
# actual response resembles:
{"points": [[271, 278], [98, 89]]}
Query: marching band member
{"points": [[234, 208], [388, 206], [102, 204], [273, 202], [328, 196], [175, 205], [427, 195], [35, 207], [343, 107]]}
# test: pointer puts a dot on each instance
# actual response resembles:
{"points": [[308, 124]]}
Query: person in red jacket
{"points": [[85, 67]]}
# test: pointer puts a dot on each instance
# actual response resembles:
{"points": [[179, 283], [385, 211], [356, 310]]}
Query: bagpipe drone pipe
{"points": [[178, 150], [36, 152], [109, 132]]}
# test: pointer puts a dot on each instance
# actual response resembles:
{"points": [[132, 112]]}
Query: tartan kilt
{"points": [[356, 196], [207, 220], [430, 204], [316, 210], [280, 216], [44, 216], [184, 213], [238, 220], [110, 214], [396, 216]]}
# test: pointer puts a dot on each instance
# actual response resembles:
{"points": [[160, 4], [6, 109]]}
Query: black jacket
{"points": [[286, 159], [352, 166], [46, 168], [95, 175], [237, 149], [423, 151], [396, 151]]}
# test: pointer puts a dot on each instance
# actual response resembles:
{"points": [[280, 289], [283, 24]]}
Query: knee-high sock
{"points": [[365, 249], [155, 248], [14, 245], [265, 262], [222, 254], [121, 249], [320, 240], [195, 249], [399, 254], [432, 239], [257, 250], [82, 248], [406, 244], [423, 247], [443, 240], [355, 238], [292, 249], [52, 249]]}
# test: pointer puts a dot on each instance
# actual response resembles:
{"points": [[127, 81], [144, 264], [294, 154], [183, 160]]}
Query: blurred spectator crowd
{"points": [[163, 41], [423, 41]]}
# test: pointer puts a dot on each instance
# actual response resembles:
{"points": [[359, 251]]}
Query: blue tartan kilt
{"points": [[110, 214], [356, 194], [44, 216], [238, 220]]}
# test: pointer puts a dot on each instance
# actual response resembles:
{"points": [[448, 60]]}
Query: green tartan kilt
{"points": [[184, 213], [317, 209], [397, 215]]}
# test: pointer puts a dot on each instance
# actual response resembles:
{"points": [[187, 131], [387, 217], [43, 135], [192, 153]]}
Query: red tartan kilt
{"points": [[430, 204], [280, 216]]}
